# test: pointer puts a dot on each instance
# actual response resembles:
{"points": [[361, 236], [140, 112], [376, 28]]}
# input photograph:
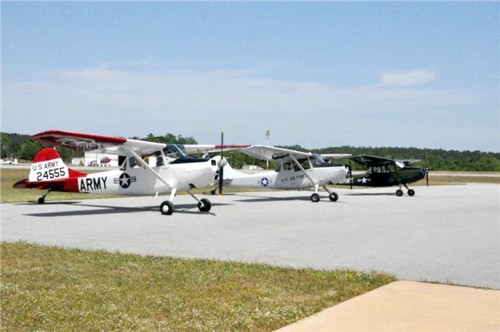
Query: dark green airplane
{"points": [[384, 172]]}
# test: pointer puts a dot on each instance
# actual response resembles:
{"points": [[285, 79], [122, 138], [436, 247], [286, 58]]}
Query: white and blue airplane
{"points": [[296, 170]]}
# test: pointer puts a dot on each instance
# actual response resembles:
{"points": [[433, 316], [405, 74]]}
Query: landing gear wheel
{"points": [[41, 200], [399, 193], [411, 192], [167, 208], [333, 197], [204, 205], [315, 198]]}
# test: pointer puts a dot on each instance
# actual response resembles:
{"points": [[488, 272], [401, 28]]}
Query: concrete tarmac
{"points": [[447, 234]]}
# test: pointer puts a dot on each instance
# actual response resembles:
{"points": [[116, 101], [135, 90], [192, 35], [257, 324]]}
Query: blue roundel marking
{"points": [[124, 180], [264, 182]]}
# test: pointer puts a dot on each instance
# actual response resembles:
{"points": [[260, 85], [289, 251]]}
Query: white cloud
{"points": [[409, 78], [128, 103]]}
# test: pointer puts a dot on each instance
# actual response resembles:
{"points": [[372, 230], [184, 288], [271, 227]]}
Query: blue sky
{"points": [[315, 74]]}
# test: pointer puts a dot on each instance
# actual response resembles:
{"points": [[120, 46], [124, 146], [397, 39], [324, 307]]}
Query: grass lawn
{"points": [[54, 289]]}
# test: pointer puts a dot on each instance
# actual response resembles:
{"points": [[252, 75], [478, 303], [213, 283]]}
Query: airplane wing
{"points": [[380, 161], [328, 156], [266, 152], [89, 142], [373, 160], [211, 148]]}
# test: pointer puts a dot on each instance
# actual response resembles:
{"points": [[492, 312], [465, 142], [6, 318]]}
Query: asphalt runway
{"points": [[448, 234]]}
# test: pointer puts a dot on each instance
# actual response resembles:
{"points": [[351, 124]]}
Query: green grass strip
{"points": [[54, 289]]}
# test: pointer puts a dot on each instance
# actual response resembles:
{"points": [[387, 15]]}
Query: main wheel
{"points": [[399, 193], [167, 208], [411, 192], [333, 197], [204, 205], [315, 198]]}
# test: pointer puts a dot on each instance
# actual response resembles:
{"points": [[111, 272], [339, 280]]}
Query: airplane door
{"points": [[135, 178]]}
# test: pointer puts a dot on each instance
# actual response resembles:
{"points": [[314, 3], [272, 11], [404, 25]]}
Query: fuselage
{"points": [[286, 178], [137, 180], [374, 178]]}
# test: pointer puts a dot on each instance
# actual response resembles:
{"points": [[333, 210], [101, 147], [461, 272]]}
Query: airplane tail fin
{"points": [[47, 168]]}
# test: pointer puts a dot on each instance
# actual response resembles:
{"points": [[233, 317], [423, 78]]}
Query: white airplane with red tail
{"points": [[146, 168]]}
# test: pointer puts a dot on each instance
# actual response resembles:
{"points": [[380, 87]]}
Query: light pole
{"points": [[268, 134]]}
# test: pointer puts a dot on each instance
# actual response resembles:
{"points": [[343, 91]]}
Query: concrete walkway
{"points": [[410, 306]]}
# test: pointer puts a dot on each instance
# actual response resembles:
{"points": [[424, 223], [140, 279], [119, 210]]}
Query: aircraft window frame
{"points": [[133, 162], [287, 166], [123, 165], [160, 158], [317, 161], [174, 151], [306, 164]]}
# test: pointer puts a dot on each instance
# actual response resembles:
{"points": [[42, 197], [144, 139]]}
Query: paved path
{"points": [[449, 234], [410, 306]]}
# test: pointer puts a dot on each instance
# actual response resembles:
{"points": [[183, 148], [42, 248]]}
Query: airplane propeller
{"points": [[426, 170]]}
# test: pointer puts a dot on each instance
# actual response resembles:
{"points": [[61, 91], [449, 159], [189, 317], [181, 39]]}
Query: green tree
{"points": [[29, 150], [5, 146], [170, 139]]}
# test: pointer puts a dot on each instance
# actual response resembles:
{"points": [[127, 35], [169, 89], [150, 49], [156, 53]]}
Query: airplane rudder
{"points": [[49, 166], [46, 154]]}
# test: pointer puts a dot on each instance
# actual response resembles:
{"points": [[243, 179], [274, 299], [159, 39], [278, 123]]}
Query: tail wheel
{"points": [[167, 208], [333, 197], [41, 200], [315, 198], [204, 205]]}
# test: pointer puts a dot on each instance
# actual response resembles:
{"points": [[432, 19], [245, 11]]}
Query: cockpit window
{"points": [[292, 166], [317, 160], [175, 151]]}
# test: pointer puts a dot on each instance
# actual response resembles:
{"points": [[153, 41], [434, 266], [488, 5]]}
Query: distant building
{"points": [[77, 161], [9, 161], [99, 159], [252, 168]]}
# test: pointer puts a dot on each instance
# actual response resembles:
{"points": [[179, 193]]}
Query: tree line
{"points": [[24, 148]]}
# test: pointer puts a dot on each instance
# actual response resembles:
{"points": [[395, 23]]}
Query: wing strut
{"points": [[316, 185], [145, 164], [204, 205]]}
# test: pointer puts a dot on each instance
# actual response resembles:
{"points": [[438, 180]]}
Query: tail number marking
{"points": [[48, 170], [51, 174]]}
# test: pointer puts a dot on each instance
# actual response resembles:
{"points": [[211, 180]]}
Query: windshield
{"points": [[317, 160], [175, 151]]}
